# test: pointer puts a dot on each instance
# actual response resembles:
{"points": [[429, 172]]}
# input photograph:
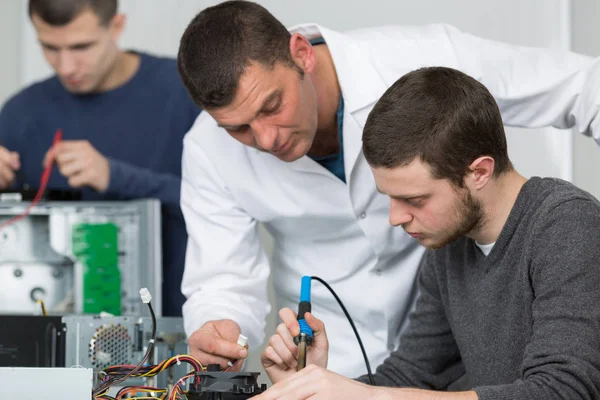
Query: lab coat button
{"points": [[391, 347], [363, 215]]}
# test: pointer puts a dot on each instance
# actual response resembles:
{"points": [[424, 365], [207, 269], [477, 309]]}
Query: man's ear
{"points": [[117, 26], [302, 53], [480, 172]]}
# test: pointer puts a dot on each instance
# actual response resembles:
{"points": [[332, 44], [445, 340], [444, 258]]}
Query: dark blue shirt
{"points": [[138, 126], [334, 163]]}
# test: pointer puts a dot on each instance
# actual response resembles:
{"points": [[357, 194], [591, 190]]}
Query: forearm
{"points": [[534, 87], [418, 394], [247, 311], [218, 284]]}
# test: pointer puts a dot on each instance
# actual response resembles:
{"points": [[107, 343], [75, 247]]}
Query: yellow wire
{"points": [[136, 390], [144, 398], [163, 366], [41, 303], [142, 390], [155, 371]]}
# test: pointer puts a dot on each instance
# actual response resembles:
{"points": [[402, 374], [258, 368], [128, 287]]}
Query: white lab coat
{"points": [[340, 232]]}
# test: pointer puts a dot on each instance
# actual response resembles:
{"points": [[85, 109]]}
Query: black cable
{"points": [[362, 348], [106, 385]]}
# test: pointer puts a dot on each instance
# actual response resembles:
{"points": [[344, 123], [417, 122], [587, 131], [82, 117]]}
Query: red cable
{"points": [[43, 183]]}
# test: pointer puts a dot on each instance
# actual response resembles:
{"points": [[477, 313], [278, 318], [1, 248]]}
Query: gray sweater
{"points": [[522, 323]]}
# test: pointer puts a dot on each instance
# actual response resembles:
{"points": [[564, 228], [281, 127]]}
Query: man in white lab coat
{"points": [[280, 144]]}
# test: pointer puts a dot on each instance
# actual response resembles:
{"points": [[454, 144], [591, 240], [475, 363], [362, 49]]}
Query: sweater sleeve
{"points": [[132, 182], [428, 356], [11, 123], [562, 359]]}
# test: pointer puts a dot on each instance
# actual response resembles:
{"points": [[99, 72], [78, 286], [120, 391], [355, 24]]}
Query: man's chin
{"points": [[433, 244], [77, 88], [291, 155], [289, 159]]}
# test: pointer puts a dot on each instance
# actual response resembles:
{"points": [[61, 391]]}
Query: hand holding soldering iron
{"points": [[280, 358]]}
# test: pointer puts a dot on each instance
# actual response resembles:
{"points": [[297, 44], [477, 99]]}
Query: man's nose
{"points": [[265, 135], [399, 214], [66, 64]]}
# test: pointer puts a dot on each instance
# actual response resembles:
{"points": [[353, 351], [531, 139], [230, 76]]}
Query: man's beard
{"points": [[470, 212]]}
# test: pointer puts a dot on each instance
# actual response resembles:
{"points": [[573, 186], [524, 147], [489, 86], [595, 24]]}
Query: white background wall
{"points": [[585, 40], [156, 25], [10, 54]]}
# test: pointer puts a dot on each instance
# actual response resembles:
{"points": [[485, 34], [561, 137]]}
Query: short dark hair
{"points": [[440, 115], [61, 12], [221, 41]]}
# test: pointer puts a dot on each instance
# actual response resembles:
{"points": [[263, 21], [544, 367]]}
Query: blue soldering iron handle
{"points": [[305, 289], [304, 306]]}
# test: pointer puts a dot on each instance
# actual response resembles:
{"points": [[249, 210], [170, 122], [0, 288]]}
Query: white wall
{"points": [[10, 32], [585, 34]]}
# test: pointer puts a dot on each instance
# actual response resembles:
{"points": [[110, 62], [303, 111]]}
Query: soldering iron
{"points": [[305, 337]]}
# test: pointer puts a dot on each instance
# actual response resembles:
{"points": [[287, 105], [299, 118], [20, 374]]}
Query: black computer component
{"points": [[32, 341]]}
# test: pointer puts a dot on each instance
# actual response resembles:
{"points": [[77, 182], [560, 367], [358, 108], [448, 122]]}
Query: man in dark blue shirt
{"points": [[123, 116]]}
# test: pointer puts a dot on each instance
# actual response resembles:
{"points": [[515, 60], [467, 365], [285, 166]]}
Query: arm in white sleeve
{"points": [[534, 87], [226, 269]]}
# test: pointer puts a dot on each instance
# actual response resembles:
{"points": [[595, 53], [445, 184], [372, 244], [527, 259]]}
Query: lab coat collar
{"points": [[351, 62], [361, 85]]}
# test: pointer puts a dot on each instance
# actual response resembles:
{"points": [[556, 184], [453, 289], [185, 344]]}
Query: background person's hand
{"points": [[81, 164], [9, 163]]}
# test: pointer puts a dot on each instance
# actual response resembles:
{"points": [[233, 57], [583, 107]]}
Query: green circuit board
{"points": [[96, 248]]}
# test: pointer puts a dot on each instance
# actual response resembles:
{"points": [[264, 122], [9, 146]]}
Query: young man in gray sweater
{"points": [[510, 286]]}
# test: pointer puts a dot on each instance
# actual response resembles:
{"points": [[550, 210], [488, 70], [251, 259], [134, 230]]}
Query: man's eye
{"points": [[273, 110], [415, 202], [239, 129], [81, 47]]}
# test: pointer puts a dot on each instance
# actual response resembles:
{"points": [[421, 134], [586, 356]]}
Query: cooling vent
{"points": [[110, 345]]}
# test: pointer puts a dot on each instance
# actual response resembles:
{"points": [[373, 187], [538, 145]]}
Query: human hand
{"points": [[9, 163], [80, 163], [216, 343], [318, 383], [280, 358]]}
